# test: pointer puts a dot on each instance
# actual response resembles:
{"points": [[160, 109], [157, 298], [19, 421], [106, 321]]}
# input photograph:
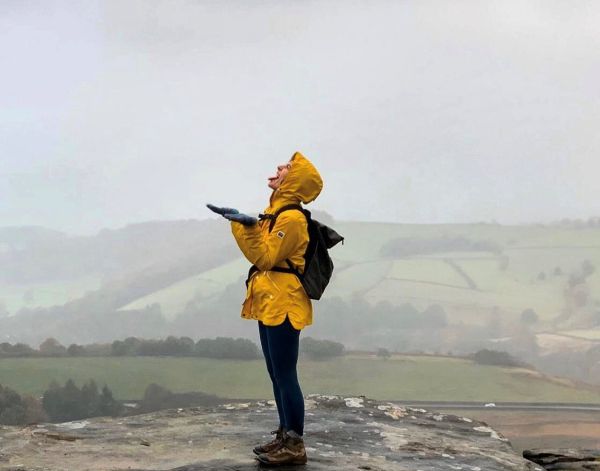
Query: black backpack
{"points": [[318, 265]]}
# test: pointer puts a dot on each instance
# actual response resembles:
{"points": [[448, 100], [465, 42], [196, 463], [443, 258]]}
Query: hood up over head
{"points": [[302, 183]]}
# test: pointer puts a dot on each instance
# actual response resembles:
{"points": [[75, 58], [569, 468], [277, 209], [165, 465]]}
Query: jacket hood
{"points": [[302, 183]]}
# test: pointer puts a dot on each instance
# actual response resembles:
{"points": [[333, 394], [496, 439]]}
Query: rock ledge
{"points": [[565, 459], [352, 433]]}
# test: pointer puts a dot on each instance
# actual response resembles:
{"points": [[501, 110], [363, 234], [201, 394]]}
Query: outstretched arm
{"points": [[232, 214], [221, 210]]}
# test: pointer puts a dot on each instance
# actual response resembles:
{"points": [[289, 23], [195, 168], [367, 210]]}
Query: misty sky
{"points": [[414, 111]]}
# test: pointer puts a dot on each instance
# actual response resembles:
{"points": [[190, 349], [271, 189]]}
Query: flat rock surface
{"points": [[341, 434]]}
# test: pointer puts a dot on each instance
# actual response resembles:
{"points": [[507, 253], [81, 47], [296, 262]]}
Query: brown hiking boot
{"points": [[272, 445], [291, 452]]}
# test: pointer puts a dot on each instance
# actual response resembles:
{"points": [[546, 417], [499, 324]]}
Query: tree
{"points": [[434, 316], [128, 347], [52, 347], [320, 349], [178, 346], [580, 295], [155, 396], [108, 404], [494, 357], [587, 268], [12, 409], [118, 348], [90, 398], [131, 345], [34, 412], [19, 410], [71, 403], [226, 347], [16, 350], [529, 317], [75, 350], [383, 353], [151, 348]]}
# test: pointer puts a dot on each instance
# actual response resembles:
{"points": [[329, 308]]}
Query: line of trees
{"points": [[320, 349], [17, 410], [221, 347], [495, 358], [157, 397], [68, 402], [58, 404]]}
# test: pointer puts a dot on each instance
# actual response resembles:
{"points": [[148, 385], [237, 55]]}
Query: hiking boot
{"points": [[272, 445], [291, 452]]}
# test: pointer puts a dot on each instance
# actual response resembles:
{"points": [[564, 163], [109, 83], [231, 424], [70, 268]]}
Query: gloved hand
{"points": [[243, 218], [222, 211]]}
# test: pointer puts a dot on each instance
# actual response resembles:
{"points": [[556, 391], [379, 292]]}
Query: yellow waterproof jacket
{"points": [[271, 295]]}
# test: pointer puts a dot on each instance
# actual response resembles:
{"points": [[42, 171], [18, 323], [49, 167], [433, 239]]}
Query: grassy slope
{"points": [[400, 378], [421, 280], [589, 334], [46, 294], [203, 286]]}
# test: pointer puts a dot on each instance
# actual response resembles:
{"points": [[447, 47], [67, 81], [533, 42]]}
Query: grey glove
{"points": [[243, 218], [222, 211]]}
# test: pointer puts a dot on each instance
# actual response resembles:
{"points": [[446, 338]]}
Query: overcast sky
{"points": [[413, 111]]}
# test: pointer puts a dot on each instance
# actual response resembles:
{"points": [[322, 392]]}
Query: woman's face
{"points": [[282, 171]]}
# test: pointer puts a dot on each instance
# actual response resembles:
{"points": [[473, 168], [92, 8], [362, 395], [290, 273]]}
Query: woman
{"points": [[277, 300]]}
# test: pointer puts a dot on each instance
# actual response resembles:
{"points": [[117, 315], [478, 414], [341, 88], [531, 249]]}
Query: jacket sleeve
{"points": [[267, 252]]}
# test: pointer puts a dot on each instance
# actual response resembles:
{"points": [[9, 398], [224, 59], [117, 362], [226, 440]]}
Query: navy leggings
{"points": [[280, 347]]}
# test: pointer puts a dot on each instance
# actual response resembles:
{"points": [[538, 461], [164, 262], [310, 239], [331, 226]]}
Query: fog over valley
{"points": [[414, 112]]}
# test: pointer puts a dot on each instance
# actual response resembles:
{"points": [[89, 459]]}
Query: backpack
{"points": [[318, 266]]}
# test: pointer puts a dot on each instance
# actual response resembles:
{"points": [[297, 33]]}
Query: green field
{"points": [[587, 334], [201, 287], [469, 285], [399, 378], [31, 295]]}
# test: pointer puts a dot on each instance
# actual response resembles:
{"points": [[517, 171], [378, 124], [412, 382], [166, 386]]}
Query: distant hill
{"points": [[525, 267], [473, 281], [42, 268], [25, 237]]}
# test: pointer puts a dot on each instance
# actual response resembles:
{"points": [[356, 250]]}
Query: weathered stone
{"points": [[565, 459], [341, 434]]}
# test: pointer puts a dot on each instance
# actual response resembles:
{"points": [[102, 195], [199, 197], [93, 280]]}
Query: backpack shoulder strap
{"points": [[273, 217], [287, 207]]}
